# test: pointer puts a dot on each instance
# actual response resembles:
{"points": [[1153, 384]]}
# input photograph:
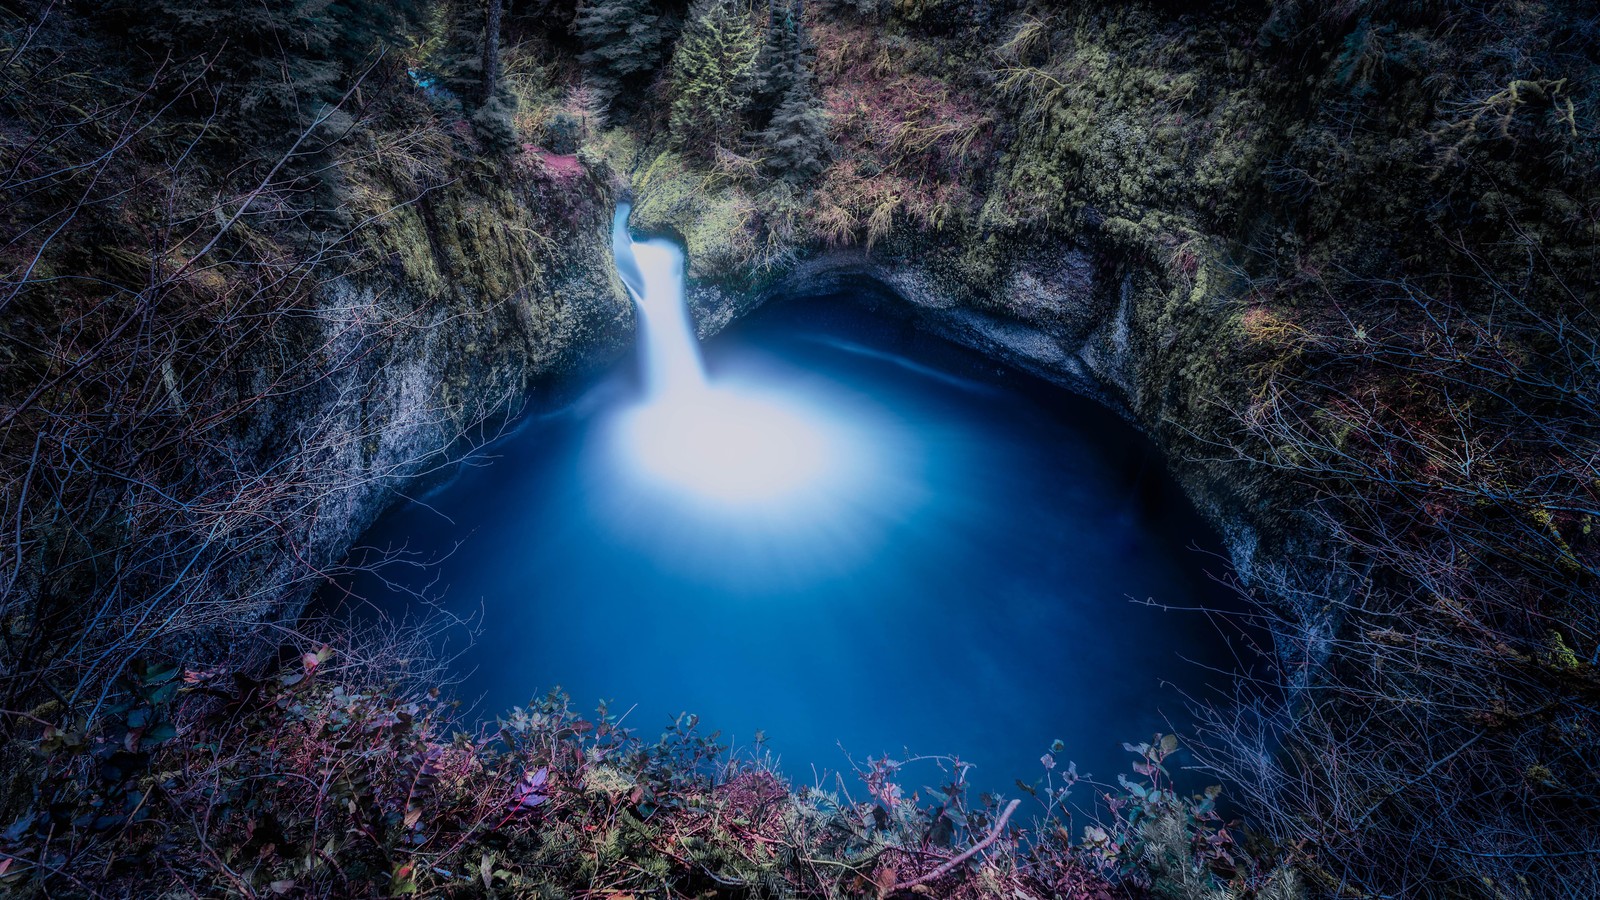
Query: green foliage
{"points": [[454, 57], [796, 134], [495, 122], [1176, 847], [454, 69], [784, 54], [622, 40], [280, 63], [940, 16], [797, 140], [321, 781], [871, 10], [1374, 55], [563, 133], [711, 72], [737, 226]]}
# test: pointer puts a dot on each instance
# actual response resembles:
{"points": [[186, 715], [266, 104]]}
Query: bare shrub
{"points": [[1448, 429], [326, 778], [188, 383]]}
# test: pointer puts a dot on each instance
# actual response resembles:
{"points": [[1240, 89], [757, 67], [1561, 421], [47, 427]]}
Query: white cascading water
{"points": [[714, 443], [653, 273]]}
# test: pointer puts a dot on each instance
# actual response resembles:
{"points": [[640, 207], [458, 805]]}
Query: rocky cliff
{"points": [[1337, 261]]}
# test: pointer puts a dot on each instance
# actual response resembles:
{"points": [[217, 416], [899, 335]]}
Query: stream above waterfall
{"points": [[837, 536]]}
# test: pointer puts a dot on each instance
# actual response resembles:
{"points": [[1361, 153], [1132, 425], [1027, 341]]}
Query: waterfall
{"points": [[719, 443], [653, 273]]}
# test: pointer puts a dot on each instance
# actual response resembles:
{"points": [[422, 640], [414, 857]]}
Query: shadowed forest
{"points": [[267, 268]]}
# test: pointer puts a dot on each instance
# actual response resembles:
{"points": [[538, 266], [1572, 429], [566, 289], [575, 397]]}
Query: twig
{"points": [[970, 852]]}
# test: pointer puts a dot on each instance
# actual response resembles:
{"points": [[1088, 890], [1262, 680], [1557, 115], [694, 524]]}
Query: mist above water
{"points": [[834, 530], [767, 464]]}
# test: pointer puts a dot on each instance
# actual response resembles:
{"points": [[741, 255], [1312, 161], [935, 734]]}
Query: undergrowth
{"points": [[322, 780], [1353, 252]]}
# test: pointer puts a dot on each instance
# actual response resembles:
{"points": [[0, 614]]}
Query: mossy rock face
{"points": [[712, 218], [1140, 201], [502, 283]]}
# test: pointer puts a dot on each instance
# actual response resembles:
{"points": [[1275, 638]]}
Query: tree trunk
{"points": [[491, 51]]}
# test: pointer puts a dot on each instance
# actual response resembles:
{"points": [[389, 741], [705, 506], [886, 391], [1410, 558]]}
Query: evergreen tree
{"points": [[782, 54], [458, 62], [467, 65], [362, 26], [278, 64], [621, 39], [495, 119], [796, 134], [276, 69], [797, 140], [711, 74]]}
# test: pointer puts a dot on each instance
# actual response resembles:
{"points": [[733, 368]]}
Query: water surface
{"points": [[961, 567]]}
